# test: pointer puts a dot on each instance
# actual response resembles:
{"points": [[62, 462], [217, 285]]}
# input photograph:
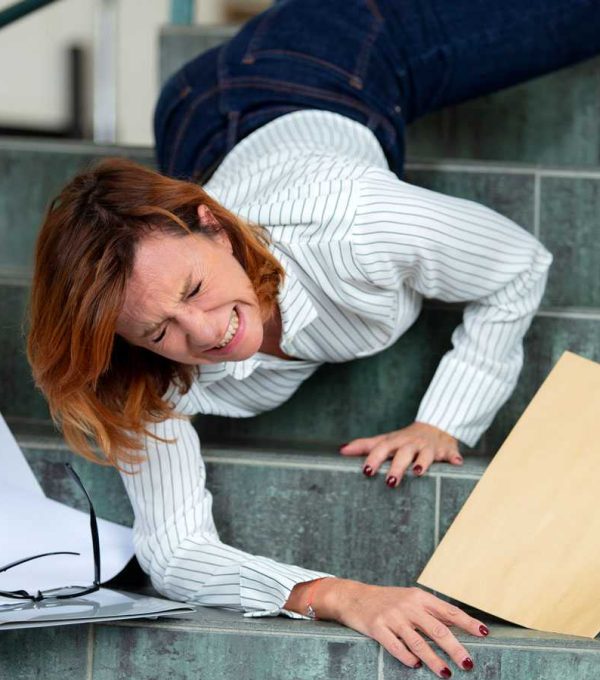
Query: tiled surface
{"points": [[103, 484], [317, 411], [551, 120], [498, 663], [30, 175], [128, 652], [336, 519], [340, 522], [18, 395], [179, 44], [53, 653], [548, 338], [381, 393], [570, 228]]}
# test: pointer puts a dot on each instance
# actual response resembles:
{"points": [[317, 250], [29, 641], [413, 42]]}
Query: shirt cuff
{"points": [[265, 586]]}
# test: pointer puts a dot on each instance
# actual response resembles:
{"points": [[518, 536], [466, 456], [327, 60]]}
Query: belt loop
{"points": [[232, 129]]}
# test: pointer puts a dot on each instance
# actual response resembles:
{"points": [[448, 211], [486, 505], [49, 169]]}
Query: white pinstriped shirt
{"points": [[361, 249]]}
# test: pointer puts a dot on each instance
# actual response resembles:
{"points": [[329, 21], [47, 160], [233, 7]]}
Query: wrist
{"points": [[323, 597], [329, 597]]}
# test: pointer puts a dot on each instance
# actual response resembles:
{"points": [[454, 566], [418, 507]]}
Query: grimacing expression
{"points": [[188, 294]]}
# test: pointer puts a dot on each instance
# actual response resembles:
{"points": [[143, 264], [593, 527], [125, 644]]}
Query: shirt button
{"points": [[397, 108]]}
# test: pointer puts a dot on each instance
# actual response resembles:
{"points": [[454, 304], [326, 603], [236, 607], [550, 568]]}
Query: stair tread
{"points": [[209, 619], [296, 455]]}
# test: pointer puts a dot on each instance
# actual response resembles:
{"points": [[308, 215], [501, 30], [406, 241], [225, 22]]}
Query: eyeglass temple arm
{"points": [[34, 557], [93, 525]]}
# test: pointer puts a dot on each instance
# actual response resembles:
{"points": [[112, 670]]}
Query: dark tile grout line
{"points": [[484, 167], [90, 651]]}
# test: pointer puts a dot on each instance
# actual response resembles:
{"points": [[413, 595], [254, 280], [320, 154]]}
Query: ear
{"points": [[207, 219]]}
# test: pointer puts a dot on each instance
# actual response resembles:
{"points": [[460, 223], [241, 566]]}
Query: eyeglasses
{"points": [[67, 591]]}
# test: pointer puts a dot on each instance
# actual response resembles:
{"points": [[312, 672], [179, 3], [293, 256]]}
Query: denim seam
{"points": [[257, 82]]}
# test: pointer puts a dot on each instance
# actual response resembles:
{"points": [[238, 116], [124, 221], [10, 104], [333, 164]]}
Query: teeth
{"points": [[231, 330]]}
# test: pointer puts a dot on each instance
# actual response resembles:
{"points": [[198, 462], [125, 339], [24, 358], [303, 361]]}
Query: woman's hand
{"points": [[395, 617], [419, 443]]}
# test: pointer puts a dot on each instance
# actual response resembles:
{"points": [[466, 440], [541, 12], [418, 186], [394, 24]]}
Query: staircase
{"points": [[541, 145]]}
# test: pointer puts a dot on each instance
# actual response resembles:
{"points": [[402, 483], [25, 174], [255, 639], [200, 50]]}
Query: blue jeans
{"points": [[383, 63]]}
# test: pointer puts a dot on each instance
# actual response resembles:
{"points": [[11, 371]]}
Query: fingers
{"points": [[454, 616], [439, 632], [421, 648], [358, 447], [394, 646], [403, 459], [416, 447]]}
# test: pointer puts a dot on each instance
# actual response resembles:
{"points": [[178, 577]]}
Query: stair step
{"points": [[325, 496], [552, 119], [214, 644], [380, 393], [31, 174], [559, 206]]}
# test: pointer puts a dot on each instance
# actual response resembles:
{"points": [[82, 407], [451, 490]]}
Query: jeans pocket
{"points": [[338, 37]]}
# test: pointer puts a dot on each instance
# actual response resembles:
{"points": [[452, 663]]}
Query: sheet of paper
{"points": [[37, 525], [104, 604], [31, 524], [526, 545]]}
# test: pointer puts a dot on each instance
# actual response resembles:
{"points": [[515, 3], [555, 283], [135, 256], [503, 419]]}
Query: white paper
{"points": [[103, 605], [31, 524]]}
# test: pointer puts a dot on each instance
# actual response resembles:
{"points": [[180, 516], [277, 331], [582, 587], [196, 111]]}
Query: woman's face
{"points": [[188, 294]]}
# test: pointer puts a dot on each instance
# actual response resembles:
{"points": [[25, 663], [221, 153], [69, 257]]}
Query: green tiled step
{"points": [[389, 534], [31, 174], [214, 644], [380, 393], [552, 119], [561, 207]]}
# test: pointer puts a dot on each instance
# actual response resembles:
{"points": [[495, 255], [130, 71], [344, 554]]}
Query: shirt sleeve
{"points": [[176, 541], [456, 250]]}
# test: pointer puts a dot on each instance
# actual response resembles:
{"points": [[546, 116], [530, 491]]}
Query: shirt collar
{"points": [[297, 312]]}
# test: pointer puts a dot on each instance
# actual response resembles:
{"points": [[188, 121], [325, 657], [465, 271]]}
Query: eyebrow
{"points": [[155, 326]]}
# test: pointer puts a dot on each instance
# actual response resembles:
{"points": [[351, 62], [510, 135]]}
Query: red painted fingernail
{"points": [[484, 630], [417, 469], [391, 481], [467, 663], [368, 470], [446, 672], [342, 445], [418, 665]]}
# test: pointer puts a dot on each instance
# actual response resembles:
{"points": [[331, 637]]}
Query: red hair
{"points": [[99, 387]]}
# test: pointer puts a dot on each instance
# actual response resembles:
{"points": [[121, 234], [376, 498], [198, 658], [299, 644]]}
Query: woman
{"points": [[155, 298]]}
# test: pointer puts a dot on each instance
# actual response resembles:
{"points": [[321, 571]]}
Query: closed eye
{"points": [[196, 290], [191, 295], [160, 337]]}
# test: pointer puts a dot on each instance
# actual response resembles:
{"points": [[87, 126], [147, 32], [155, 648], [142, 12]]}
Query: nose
{"points": [[202, 330]]}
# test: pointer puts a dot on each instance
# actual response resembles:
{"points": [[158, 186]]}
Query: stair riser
{"points": [[562, 211], [146, 652], [30, 178], [335, 520], [380, 393]]}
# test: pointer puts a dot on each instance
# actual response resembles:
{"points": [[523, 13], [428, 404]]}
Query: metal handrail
{"points": [[20, 10]]}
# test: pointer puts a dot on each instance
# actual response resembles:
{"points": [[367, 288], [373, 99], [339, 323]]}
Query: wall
{"points": [[33, 73]]}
